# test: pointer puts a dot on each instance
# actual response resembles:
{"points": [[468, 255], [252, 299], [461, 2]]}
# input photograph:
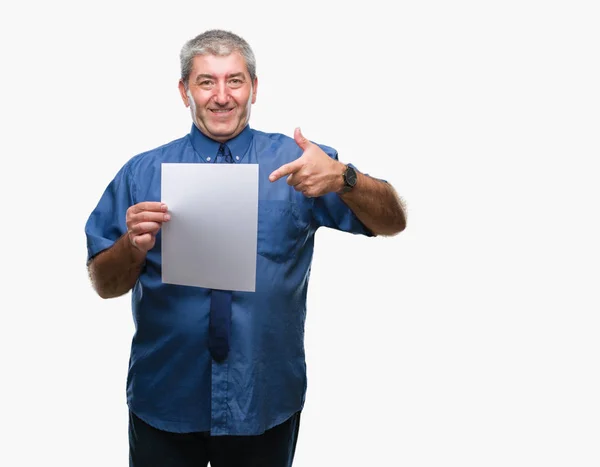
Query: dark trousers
{"points": [[150, 447]]}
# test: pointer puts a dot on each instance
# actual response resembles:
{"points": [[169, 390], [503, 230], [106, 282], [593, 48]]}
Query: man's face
{"points": [[220, 95]]}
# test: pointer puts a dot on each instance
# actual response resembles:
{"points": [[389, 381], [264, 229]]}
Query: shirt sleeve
{"points": [[330, 211], [106, 223]]}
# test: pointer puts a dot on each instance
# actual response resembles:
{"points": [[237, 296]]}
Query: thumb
{"points": [[300, 139]]}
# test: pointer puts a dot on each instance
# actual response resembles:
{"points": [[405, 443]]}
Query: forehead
{"points": [[219, 65]]}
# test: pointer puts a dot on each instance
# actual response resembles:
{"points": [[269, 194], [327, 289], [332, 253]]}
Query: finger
{"points": [[154, 206], [286, 169], [293, 179], [311, 193], [305, 191], [148, 216], [301, 187], [300, 139], [145, 227], [143, 242]]}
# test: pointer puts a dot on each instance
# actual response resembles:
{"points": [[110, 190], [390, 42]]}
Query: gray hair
{"points": [[215, 42]]}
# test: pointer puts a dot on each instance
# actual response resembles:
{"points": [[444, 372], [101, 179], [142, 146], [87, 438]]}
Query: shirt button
{"points": [[237, 158], [208, 159]]}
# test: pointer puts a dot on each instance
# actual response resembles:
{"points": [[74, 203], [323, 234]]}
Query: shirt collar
{"points": [[207, 148]]}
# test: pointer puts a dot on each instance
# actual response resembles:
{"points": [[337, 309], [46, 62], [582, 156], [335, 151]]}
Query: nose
{"points": [[221, 95]]}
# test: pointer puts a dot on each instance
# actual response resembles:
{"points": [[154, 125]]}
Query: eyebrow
{"points": [[202, 76], [236, 75]]}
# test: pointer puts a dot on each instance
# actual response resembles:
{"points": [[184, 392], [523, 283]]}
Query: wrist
{"points": [[339, 176], [348, 179]]}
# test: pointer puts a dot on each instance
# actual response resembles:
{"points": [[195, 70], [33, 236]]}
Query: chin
{"points": [[223, 132]]}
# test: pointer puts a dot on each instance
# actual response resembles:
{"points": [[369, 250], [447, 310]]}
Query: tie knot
{"points": [[225, 154]]}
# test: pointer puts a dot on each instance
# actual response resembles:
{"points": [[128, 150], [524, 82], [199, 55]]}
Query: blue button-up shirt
{"points": [[172, 383]]}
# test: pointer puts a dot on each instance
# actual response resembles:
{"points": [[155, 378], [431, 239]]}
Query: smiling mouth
{"points": [[220, 111]]}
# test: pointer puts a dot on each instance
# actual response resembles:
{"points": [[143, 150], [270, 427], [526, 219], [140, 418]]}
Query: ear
{"points": [[183, 93], [254, 89]]}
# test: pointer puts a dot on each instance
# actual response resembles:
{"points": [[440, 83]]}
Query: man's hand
{"points": [[314, 173], [144, 220]]}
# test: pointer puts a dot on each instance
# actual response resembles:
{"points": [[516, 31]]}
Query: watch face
{"points": [[351, 176]]}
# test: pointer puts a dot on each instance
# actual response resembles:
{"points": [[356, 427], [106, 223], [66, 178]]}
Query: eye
{"points": [[206, 83], [235, 82]]}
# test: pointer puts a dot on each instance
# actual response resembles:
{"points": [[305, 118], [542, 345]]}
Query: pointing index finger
{"points": [[286, 169]]}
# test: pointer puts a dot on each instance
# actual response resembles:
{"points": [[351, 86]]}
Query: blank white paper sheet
{"points": [[210, 240]]}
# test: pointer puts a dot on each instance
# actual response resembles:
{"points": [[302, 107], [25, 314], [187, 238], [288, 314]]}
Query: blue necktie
{"points": [[219, 326]]}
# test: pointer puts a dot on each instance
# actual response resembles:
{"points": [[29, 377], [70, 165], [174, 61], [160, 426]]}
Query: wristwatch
{"points": [[349, 177]]}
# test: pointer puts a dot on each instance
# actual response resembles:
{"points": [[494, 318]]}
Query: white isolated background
{"points": [[471, 339]]}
